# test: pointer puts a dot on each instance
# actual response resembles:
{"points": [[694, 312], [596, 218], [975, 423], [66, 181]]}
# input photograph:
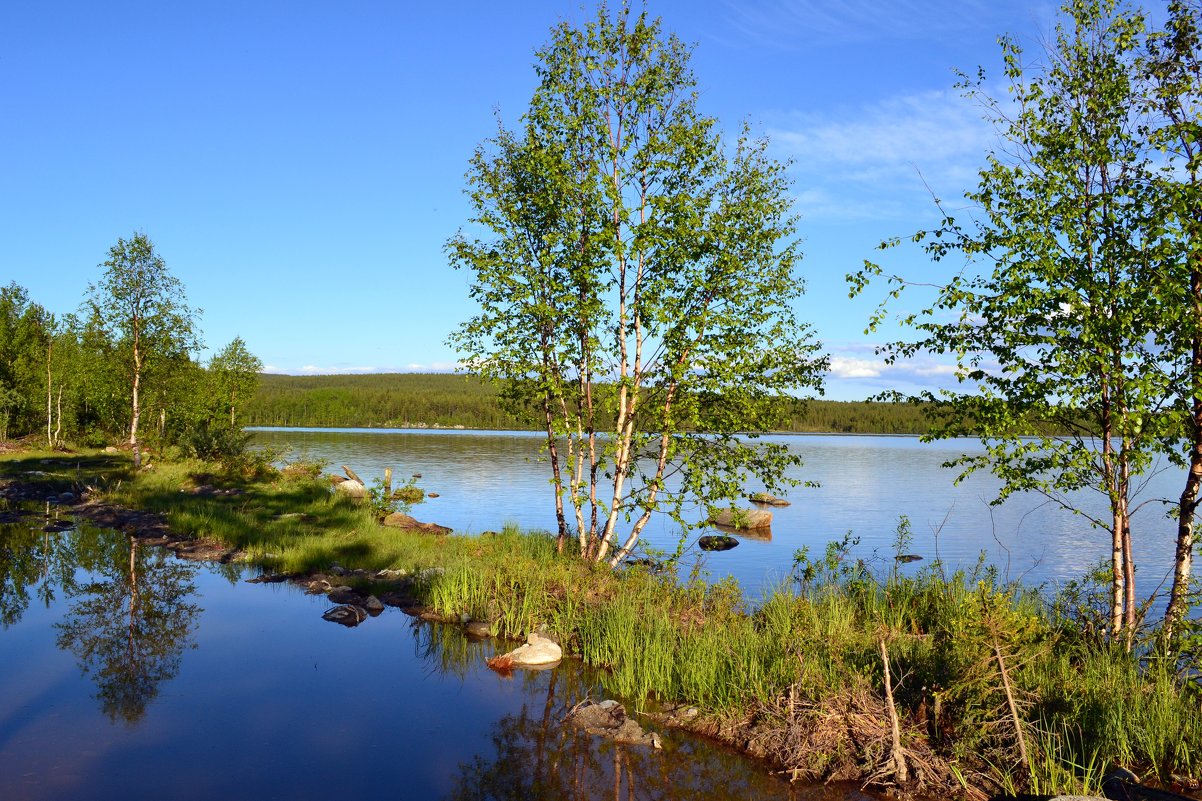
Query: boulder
{"points": [[608, 719], [741, 518], [373, 605], [717, 542], [406, 523], [478, 628], [538, 652], [344, 595], [767, 500], [351, 489], [348, 615]]}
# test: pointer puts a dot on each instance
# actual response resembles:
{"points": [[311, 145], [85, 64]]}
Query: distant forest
{"points": [[441, 400]]}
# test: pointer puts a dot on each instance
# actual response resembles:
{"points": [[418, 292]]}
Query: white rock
{"points": [[351, 489], [537, 651]]}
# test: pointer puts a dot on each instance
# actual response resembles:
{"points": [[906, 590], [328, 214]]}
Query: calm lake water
{"points": [[128, 674], [487, 479]]}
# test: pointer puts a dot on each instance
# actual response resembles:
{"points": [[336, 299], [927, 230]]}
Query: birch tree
{"points": [[1173, 69], [142, 306], [635, 275], [1055, 334]]}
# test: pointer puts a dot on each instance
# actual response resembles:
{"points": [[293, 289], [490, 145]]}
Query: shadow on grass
{"points": [[56, 473]]}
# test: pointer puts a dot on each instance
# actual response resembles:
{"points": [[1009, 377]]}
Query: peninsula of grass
{"points": [[951, 683]]}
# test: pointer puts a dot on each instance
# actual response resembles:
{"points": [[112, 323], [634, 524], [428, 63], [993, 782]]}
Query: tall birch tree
{"points": [[1056, 335], [636, 277], [1173, 69], [142, 306]]}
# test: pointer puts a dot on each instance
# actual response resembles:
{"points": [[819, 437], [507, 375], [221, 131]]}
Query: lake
{"points": [[487, 479], [129, 674]]}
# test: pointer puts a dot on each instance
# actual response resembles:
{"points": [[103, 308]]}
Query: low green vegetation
{"points": [[992, 686]]}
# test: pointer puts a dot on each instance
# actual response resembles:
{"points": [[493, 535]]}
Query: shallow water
{"points": [[126, 673], [487, 479]]}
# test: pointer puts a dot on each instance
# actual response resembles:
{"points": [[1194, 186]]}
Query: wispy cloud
{"points": [[878, 160], [803, 23]]}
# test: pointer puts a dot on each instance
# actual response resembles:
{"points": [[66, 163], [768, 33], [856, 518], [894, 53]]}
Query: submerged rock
{"points": [[717, 542], [608, 719], [741, 518], [348, 615]]}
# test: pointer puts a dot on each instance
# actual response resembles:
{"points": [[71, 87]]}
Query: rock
{"points": [[767, 500], [536, 653], [431, 494], [66, 497], [373, 605], [608, 719], [270, 578], [390, 575], [717, 542], [351, 489], [348, 615], [478, 628], [741, 518], [344, 595], [111, 449], [406, 523], [337, 569], [399, 600]]}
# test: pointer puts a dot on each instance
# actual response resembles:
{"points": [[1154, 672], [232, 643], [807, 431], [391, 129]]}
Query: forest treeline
{"points": [[402, 400], [123, 368]]}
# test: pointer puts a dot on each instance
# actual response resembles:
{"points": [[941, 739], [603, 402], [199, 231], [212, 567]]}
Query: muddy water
{"points": [[126, 673]]}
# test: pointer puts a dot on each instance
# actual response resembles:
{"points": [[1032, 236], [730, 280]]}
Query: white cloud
{"points": [[313, 369], [843, 367]]}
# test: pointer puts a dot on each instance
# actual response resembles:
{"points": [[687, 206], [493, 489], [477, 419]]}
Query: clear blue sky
{"points": [[299, 165]]}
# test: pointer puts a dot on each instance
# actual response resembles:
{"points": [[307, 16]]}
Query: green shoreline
{"points": [[980, 672]]}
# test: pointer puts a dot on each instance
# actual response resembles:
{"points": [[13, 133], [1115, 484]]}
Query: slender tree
{"points": [[141, 305], [1173, 68], [1058, 332], [235, 374], [623, 242]]}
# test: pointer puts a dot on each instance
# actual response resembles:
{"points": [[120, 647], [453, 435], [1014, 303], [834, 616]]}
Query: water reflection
{"points": [[33, 557], [536, 755], [129, 622]]}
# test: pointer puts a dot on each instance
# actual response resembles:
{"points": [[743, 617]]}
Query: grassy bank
{"points": [[935, 680]]}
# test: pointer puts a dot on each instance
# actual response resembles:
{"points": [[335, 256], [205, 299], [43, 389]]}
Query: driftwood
{"points": [[352, 475], [897, 755]]}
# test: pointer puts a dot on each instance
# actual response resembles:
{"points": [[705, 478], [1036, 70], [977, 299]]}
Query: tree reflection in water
{"points": [[130, 621], [537, 756], [33, 556]]}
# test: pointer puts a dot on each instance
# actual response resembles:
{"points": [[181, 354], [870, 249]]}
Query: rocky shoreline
{"points": [[352, 605]]}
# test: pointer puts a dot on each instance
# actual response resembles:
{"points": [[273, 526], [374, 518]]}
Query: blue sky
{"points": [[299, 165]]}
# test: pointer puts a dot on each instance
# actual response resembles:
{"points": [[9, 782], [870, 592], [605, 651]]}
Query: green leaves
{"points": [[617, 239]]}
